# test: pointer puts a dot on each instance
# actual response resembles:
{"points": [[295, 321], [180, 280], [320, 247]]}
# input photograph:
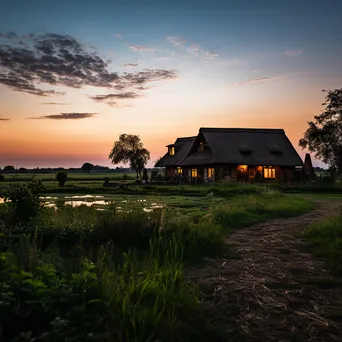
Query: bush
{"points": [[125, 176], [23, 200], [2, 178], [61, 177]]}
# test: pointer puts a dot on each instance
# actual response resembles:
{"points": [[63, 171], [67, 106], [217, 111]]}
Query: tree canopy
{"points": [[130, 149], [87, 167], [324, 135], [9, 168]]}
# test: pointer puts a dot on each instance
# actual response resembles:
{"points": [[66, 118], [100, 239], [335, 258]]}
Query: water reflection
{"points": [[98, 202]]}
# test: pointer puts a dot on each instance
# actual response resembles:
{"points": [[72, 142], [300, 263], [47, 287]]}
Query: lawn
{"points": [[82, 273]]}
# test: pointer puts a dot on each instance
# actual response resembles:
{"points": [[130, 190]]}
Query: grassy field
{"points": [[326, 238], [72, 176], [81, 273]]}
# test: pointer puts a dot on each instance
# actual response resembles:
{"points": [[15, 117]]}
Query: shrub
{"points": [[23, 200], [61, 178], [2, 178], [125, 176]]}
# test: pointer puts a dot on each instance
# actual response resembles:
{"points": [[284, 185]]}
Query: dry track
{"points": [[274, 291]]}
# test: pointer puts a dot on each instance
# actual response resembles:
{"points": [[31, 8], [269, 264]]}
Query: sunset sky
{"points": [[76, 74]]}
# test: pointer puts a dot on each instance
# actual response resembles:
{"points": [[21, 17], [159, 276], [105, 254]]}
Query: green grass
{"points": [[118, 274], [72, 176], [326, 238]]}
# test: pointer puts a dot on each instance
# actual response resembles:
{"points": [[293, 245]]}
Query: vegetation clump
{"points": [[61, 178]]}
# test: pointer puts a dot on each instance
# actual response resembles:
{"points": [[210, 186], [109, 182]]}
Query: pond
{"points": [[99, 202]]}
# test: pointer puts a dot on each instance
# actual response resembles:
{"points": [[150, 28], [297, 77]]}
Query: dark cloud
{"points": [[66, 116], [127, 95], [54, 103], [131, 65], [29, 62], [4, 119], [111, 103]]}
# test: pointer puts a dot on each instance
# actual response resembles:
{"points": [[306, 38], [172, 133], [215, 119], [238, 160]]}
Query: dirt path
{"points": [[274, 291]]}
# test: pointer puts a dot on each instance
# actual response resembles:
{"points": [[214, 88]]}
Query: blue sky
{"points": [[242, 63]]}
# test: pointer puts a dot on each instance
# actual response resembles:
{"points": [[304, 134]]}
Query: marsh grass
{"points": [[86, 274], [326, 238]]}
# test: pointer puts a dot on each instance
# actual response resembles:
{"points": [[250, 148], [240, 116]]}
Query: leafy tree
{"points": [[130, 149], [61, 177], [324, 135], [9, 168], [87, 167]]}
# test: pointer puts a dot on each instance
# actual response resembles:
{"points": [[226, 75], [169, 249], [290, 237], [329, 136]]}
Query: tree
{"points": [[9, 168], [145, 176], [87, 167], [61, 178], [324, 135], [130, 149]]}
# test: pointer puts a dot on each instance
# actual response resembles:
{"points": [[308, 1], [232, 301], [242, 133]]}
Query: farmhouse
{"points": [[233, 154]]}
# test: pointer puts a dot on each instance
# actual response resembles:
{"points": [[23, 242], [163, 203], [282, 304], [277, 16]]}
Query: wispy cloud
{"points": [[193, 49], [3, 119], [54, 103], [142, 48], [260, 80], [176, 41], [131, 65], [209, 55], [66, 116], [293, 53], [118, 35]]}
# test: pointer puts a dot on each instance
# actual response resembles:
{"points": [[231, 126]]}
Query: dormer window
{"points": [[201, 147], [171, 150]]}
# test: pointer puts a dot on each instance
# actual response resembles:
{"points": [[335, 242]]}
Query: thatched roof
{"points": [[248, 146], [182, 147]]}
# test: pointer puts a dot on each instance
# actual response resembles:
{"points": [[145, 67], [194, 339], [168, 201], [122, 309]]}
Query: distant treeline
{"points": [[96, 169]]}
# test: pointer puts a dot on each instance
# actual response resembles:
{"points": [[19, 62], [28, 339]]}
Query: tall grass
{"points": [[82, 274], [326, 236]]}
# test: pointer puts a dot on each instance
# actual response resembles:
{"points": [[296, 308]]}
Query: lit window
{"points": [[269, 172], [194, 173], [172, 151], [211, 172], [201, 147], [179, 170]]}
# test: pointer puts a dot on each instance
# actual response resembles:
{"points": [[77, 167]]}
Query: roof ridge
{"points": [[264, 130]]}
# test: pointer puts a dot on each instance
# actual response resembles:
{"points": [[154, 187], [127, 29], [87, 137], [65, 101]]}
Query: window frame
{"points": [[211, 172], [172, 151], [269, 172], [194, 173]]}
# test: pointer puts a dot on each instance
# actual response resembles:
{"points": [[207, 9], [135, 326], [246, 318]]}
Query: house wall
{"points": [[229, 173], [170, 171]]}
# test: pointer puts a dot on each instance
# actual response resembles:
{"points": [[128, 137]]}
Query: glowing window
{"points": [[211, 172], [269, 172], [172, 151], [193, 172], [179, 170]]}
